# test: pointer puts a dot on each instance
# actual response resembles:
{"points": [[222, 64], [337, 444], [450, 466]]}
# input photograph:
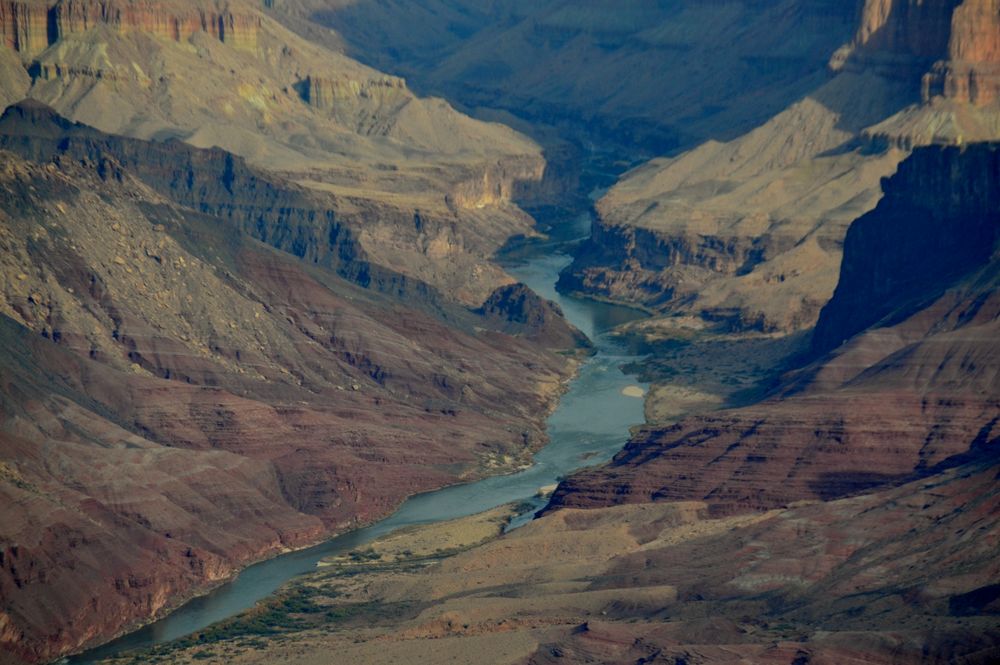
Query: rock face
{"points": [[748, 233], [952, 46], [896, 400], [972, 71], [191, 384], [32, 26], [518, 310], [948, 202]]}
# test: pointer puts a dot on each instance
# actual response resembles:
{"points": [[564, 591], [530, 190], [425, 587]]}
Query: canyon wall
{"points": [[896, 400], [747, 235], [30, 27], [187, 71], [939, 219], [951, 46]]}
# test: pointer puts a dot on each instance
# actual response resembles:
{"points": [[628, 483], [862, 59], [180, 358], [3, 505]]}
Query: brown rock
{"points": [[157, 445]]}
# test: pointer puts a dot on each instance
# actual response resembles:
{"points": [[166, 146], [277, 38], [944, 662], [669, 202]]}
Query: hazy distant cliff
{"points": [[748, 233], [30, 26]]}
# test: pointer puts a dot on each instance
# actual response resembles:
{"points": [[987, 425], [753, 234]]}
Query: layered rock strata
{"points": [[913, 386], [190, 385], [229, 75], [31, 27]]}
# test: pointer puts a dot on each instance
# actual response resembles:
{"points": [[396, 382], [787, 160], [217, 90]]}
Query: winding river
{"points": [[589, 426]]}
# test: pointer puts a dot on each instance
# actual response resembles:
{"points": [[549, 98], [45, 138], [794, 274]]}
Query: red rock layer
{"points": [[904, 575], [30, 27]]}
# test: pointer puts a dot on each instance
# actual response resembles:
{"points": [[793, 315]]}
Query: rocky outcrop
{"points": [[661, 270], [504, 181], [517, 310], [323, 92], [900, 38], [895, 401], [971, 73], [29, 26], [939, 220]]}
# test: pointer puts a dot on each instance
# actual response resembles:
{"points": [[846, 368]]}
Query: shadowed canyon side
{"points": [[648, 77], [913, 386], [747, 234]]}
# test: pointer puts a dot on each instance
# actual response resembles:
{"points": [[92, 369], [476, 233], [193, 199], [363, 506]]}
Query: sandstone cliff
{"points": [[898, 399], [30, 27]]}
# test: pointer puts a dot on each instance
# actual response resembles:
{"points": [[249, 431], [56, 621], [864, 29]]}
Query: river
{"points": [[588, 427]]}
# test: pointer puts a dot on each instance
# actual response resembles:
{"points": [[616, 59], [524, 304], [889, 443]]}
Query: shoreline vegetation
{"points": [[305, 603]]}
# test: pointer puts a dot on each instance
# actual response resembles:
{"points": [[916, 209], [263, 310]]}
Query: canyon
{"points": [[185, 399], [707, 542], [259, 286]]}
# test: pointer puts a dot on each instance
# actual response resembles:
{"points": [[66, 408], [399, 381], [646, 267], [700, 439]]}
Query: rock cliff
{"points": [[951, 46], [30, 27], [914, 386], [518, 310], [229, 75], [939, 219]]}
